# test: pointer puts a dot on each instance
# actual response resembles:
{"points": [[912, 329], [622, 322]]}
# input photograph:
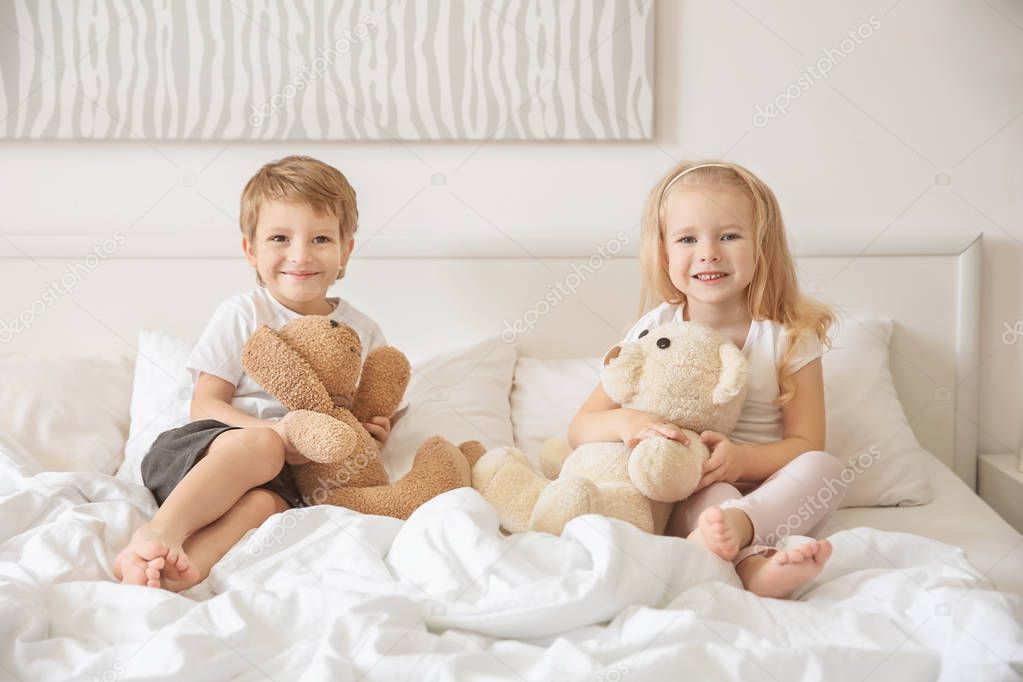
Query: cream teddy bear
{"points": [[686, 372]]}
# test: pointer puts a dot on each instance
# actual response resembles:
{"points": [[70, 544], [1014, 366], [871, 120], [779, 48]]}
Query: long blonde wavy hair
{"points": [[774, 292]]}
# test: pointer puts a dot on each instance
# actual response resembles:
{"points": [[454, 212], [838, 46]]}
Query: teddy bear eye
{"points": [[663, 342], [643, 333], [333, 323]]}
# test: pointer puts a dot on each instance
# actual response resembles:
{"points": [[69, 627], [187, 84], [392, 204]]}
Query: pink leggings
{"points": [[793, 501]]}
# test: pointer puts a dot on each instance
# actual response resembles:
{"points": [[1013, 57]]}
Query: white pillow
{"points": [[460, 395], [545, 396], [160, 396], [68, 414], [866, 424]]}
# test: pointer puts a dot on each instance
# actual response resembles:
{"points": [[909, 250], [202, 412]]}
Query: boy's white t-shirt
{"points": [[219, 349], [760, 420]]}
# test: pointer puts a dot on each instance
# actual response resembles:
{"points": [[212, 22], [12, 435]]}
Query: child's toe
{"points": [[133, 569], [152, 577], [150, 549], [787, 556], [823, 552]]}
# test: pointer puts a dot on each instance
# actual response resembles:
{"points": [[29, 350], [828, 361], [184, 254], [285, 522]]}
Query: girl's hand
{"points": [[379, 428], [727, 459], [644, 425]]}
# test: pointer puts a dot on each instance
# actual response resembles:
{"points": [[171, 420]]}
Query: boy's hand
{"points": [[727, 459], [379, 428], [644, 425], [295, 459]]}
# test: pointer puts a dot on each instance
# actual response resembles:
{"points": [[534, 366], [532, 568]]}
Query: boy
{"points": [[228, 470]]}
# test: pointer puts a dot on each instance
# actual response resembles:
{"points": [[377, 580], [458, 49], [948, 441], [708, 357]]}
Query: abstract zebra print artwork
{"points": [[326, 70]]}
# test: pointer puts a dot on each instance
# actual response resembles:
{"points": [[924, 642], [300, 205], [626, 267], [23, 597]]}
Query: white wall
{"points": [[919, 130]]}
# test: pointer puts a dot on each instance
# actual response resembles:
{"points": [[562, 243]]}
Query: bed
{"points": [[500, 343]]}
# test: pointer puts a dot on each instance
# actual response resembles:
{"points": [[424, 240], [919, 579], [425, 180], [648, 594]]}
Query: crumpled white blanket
{"points": [[325, 593]]}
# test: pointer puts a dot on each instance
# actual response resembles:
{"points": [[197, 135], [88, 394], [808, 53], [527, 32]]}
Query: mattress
{"points": [[958, 517]]}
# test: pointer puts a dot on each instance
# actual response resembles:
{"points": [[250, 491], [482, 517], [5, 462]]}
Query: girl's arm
{"points": [[211, 399], [601, 419], [802, 423]]}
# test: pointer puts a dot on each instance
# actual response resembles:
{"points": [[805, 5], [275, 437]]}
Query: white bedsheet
{"points": [[956, 517], [325, 593]]}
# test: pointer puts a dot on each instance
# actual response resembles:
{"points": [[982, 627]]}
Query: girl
{"points": [[714, 251]]}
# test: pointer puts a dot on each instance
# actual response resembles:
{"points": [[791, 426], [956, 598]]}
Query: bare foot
{"points": [[150, 552], [132, 569], [177, 581], [719, 532], [779, 575]]}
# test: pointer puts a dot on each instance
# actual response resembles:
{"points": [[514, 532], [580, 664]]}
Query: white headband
{"points": [[682, 173]]}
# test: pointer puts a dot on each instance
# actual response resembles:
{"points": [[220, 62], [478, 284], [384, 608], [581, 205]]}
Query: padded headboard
{"points": [[556, 304]]}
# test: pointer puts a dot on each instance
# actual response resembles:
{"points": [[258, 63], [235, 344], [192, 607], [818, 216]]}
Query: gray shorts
{"points": [[175, 452]]}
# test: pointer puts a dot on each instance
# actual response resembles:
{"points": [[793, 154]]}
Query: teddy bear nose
{"points": [[663, 342], [333, 323]]}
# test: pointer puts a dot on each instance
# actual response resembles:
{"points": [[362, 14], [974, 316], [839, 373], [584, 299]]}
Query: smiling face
{"points": [[298, 254], [709, 243]]}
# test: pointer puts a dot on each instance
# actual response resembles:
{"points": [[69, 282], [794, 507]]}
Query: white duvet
{"points": [[325, 593]]}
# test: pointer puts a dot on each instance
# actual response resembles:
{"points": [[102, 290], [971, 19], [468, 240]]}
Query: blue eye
{"points": [[728, 236]]}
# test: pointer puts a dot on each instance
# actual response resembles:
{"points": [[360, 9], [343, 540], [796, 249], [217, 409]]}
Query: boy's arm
{"points": [[211, 399]]}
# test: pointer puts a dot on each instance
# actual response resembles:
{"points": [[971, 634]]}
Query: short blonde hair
{"points": [[774, 292], [300, 179]]}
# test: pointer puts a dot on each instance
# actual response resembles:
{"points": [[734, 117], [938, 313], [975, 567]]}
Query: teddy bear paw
{"points": [[489, 463], [319, 437], [562, 501], [665, 470]]}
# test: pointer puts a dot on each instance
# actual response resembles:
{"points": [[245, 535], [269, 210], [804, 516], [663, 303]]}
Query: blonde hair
{"points": [[773, 294], [300, 179]]}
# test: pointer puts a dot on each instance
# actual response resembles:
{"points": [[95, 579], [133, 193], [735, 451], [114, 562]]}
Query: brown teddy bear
{"points": [[313, 366], [688, 373]]}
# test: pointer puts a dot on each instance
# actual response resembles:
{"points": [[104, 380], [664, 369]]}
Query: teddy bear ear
{"points": [[611, 354], [283, 373], [734, 369], [621, 372]]}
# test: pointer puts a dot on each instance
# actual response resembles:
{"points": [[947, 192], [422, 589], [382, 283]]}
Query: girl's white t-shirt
{"points": [[760, 420], [219, 349]]}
